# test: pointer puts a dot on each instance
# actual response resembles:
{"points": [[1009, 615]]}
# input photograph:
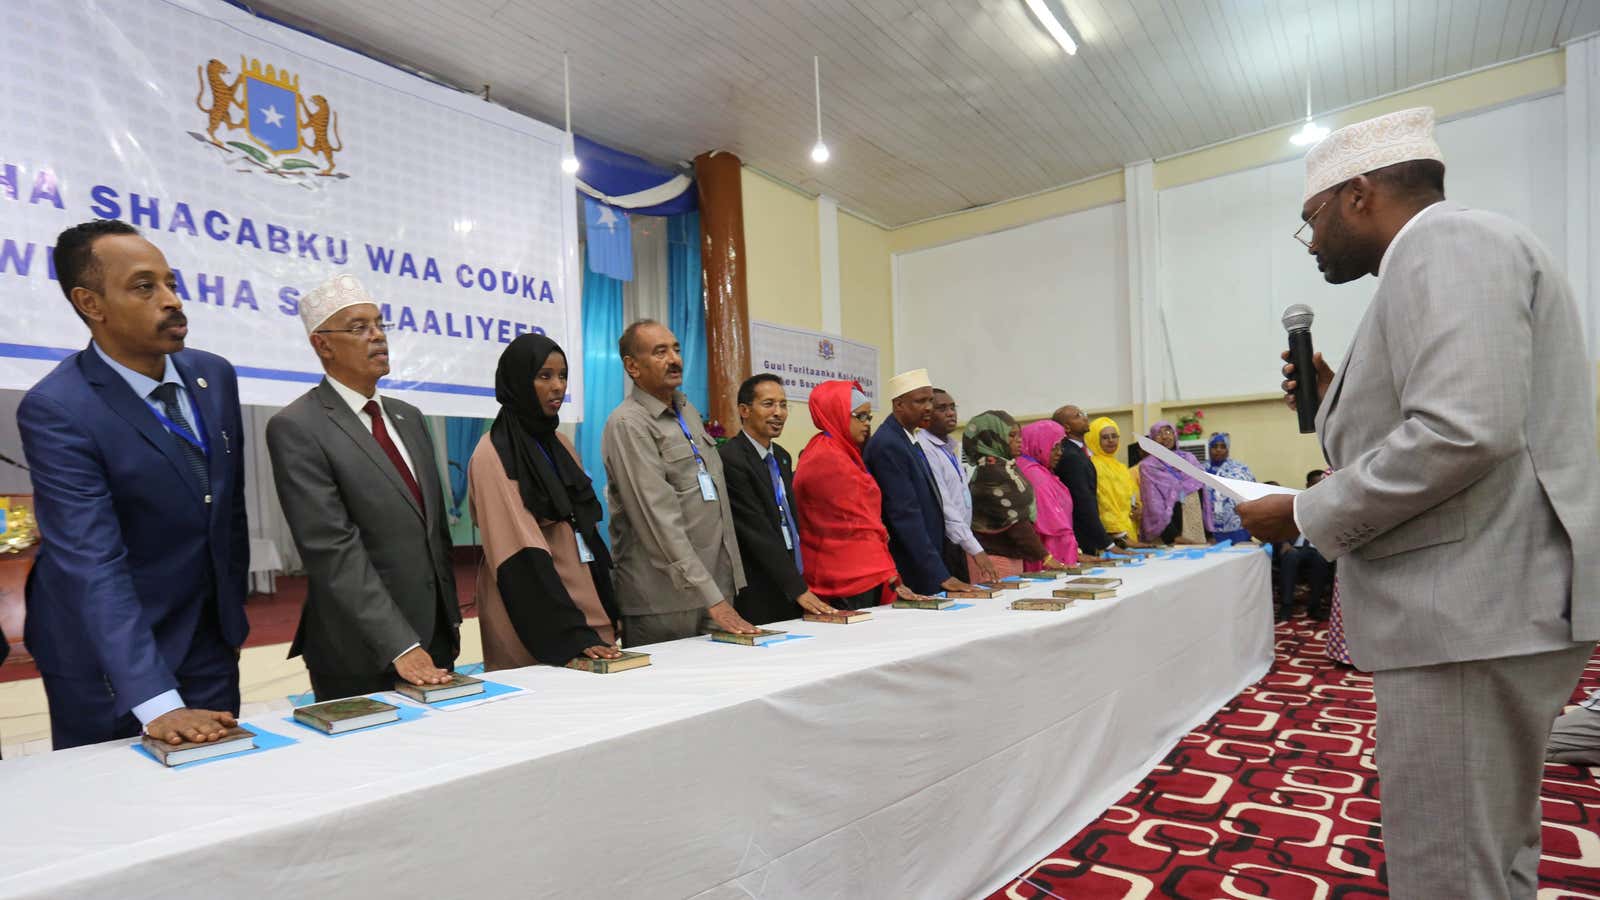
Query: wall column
{"points": [[717, 175], [1147, 338]]}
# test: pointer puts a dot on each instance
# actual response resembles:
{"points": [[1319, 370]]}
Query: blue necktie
{"points": [[167, 394], [783, 509]]}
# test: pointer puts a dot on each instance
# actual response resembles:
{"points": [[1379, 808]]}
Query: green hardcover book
{"points": [[349, 714], [983, 593], [1041, 605], [762, 636], [842, 617], [458, 686], [1093, 583], [628, 660], [1083, 593], [925, 603], [1006, 584], [235, 740], [1038, 576]]}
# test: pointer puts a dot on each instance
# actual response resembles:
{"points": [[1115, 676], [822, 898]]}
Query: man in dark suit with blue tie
{"points": [[761, 491], [912, 509], [136, 599]]}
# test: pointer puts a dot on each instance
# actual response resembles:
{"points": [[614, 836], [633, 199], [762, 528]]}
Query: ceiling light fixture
{"points": [[1311, 132], [819, 152], [1053, 25], [569, 150]]}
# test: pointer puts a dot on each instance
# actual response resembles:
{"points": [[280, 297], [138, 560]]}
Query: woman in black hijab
{"points": [[544, 586]]}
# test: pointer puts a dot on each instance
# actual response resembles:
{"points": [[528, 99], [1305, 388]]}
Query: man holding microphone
{"points": [[1463, 507]]}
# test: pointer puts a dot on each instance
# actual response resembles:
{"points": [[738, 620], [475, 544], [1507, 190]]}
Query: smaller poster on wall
{"points": [[805, 359]]}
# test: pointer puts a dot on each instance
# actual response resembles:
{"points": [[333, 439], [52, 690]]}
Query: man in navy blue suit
{"points": [[912, 509], [136, 599]]}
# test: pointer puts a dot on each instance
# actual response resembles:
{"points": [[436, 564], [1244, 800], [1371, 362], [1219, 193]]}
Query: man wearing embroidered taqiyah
{"points": [[356, 476], [1462, 510]]}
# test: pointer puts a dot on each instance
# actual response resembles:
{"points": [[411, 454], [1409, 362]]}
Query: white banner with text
{"points": [[805, 359], [261, 161]]}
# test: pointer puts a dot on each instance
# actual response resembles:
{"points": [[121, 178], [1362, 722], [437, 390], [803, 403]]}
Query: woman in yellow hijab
{"points": [[1117, 487]]}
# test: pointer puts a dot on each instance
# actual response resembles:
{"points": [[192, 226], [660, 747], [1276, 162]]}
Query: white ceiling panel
{"points": [[934, 106]]}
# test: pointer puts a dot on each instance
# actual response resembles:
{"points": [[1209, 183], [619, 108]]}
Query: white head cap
{"points": [[342, 291], [1360, 148], [906, 382]]}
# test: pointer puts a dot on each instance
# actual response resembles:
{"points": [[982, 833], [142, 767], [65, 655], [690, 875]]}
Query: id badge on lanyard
{"points": [[708, 488], [585, 555], [788, 539]]}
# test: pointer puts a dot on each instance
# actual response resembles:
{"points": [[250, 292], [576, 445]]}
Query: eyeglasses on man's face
{"points": [[1306, 233], [358, 329]]}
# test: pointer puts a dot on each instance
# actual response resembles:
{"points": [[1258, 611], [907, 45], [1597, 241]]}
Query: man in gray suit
{"points": [[356, 477], [1462, 508]]}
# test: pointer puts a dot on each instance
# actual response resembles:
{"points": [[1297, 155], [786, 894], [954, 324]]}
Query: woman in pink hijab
{"points": [[1041, 450]]}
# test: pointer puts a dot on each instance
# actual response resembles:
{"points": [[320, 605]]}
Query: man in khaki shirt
{"points": [[677, 559]]}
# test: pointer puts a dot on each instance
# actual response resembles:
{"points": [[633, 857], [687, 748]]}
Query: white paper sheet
{"points": [[1239, 491]]}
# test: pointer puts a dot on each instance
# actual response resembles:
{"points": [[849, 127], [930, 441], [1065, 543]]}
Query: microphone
{"points": [[1297, 321]]}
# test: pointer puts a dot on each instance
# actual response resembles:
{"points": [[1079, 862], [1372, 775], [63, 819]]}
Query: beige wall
{"points": [[785, 280]]}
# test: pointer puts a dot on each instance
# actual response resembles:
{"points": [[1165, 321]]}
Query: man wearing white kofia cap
{"points": [[356, 477], [913, 509], [1463, 508]]}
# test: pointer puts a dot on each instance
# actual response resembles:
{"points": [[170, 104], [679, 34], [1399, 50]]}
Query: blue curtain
{"points": [[603, 377], [460, 439], [686, 306]]}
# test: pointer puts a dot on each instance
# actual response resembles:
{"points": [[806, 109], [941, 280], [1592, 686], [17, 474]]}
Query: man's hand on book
{"points": [[184, 724], [728, 619], [986, 569], [955, 584], [602, 651], [416, 666], [813, 604]]}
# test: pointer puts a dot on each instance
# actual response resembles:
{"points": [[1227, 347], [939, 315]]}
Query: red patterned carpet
{"points": [[1276, 797]]}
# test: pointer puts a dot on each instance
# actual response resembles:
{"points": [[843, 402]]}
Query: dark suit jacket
{"points": [[1076, 471], [912, 509], [131, 551], [378, 567], [774, 582]]}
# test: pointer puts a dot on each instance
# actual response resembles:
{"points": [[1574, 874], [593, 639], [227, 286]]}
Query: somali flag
{"points": [[610, 240]]}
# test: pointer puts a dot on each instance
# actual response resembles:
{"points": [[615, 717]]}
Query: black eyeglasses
{"points": [[359, 329]]}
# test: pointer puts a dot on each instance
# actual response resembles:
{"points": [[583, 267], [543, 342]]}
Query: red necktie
{"points": [[380, 433]]}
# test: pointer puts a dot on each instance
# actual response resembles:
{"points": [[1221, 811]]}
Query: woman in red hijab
{"points": [[839, 507]]}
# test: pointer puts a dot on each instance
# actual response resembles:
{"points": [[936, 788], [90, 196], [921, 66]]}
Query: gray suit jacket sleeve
{"points": [[1459, 346], [329, 543]]}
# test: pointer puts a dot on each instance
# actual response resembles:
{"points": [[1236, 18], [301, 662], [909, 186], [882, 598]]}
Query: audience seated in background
{"points": [[1224, 524], [1575, 737], [1116, 485], [1003, 503], [1298, 557], [544, 581], [1041, 450], [842, 535], [1176, 506]]}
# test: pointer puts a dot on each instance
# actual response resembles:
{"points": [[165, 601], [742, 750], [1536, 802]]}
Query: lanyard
{"points": [[686, 436], [777, 486], [198, 438], [950, 455]]}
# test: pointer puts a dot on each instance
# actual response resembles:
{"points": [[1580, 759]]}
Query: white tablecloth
{"points": [[923, 754]]}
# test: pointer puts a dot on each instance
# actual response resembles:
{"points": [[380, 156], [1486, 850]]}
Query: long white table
{"points": [[921, 755]]}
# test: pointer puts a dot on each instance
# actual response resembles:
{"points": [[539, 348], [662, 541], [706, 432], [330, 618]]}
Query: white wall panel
{"points": [[1025, 319], [1229, 264]]}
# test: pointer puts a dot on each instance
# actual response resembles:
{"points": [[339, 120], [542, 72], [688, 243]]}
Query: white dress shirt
{"points": [[952, 480], [357, 403]]}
